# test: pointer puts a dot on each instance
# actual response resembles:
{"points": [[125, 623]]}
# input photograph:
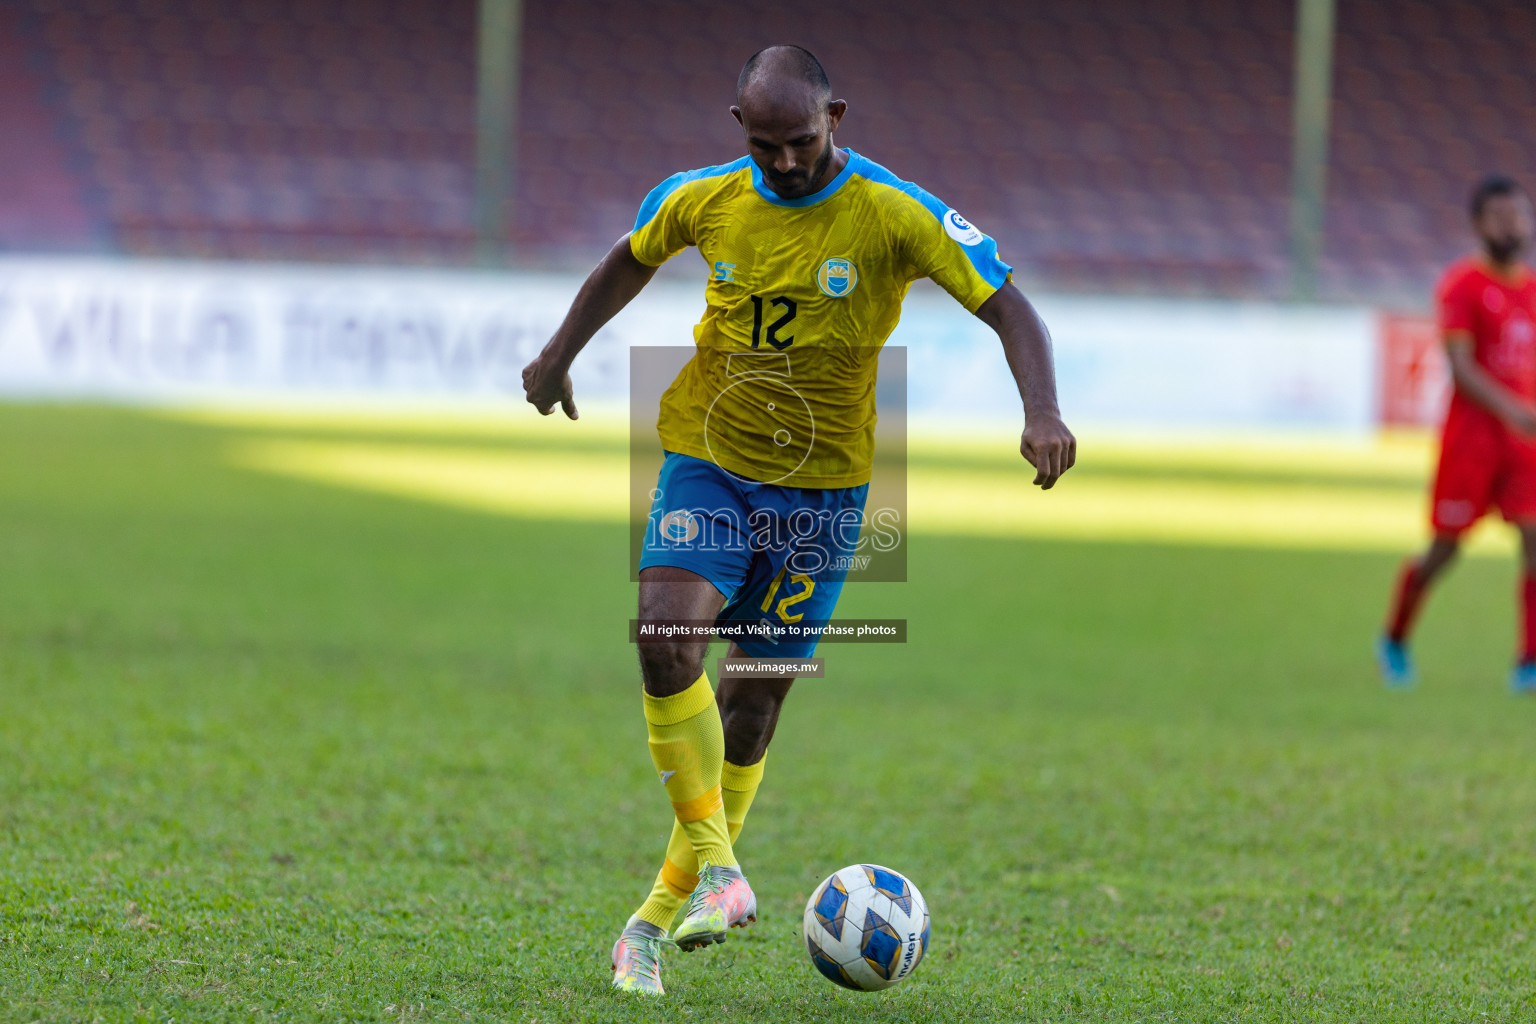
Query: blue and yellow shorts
{"points": [[778, 554]]}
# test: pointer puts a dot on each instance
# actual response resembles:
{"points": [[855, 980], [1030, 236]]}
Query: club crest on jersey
{"points": [[837, 277]]}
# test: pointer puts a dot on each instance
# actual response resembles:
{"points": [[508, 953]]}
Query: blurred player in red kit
{"points": [[1487, 319]]}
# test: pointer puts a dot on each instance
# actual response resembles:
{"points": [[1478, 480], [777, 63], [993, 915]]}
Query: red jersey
{"points": [[1500, 315], [1482, 462]]}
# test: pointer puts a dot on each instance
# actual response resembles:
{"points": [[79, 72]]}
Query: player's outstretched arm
{"points": [[1047, 443], [1477, 384], [617, 278]]}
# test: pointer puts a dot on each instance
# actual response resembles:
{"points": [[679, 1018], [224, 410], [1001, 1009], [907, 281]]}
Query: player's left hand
{"points": [[1050, 448], [546, 385]]}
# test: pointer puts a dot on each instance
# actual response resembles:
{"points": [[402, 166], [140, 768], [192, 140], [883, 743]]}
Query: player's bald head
{"points": [[786, 111], [783, 75]]}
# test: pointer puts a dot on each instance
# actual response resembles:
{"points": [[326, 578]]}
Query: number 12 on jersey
{"points": [[775, 304]]}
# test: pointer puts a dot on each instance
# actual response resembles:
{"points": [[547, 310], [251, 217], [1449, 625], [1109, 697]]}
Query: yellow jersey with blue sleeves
{"points": [[802, 294]]}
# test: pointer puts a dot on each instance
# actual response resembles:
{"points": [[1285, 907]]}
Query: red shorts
{"points": [[1482, 463]]}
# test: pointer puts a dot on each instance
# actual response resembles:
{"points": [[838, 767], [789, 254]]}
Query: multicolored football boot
{"points": [[721, 900], [637, 958], [1523, 678]]}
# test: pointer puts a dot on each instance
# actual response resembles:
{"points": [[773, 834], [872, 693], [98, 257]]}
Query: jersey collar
{"points": [[832, 186], [1521, 274]]}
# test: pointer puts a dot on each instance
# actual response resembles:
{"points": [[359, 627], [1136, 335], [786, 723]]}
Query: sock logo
{"points": [[665, 776]]}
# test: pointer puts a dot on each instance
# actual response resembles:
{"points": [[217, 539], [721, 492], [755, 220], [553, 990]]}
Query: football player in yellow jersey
{"points": [[810, 251]]}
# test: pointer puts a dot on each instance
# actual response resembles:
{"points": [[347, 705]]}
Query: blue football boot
{"points": [[1523, 678], [1396, 664]]}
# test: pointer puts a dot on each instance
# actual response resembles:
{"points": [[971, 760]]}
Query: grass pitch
{"points": [[277, 750]]}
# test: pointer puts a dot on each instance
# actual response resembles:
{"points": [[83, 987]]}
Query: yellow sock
{"points": [[739, 785], [680, 870], [678, 875], [688, 748]]}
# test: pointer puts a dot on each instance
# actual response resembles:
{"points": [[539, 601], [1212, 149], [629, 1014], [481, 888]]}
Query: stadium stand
{"points": [[1429, 97], [43, 202], [310, 130], [1125, 145]]}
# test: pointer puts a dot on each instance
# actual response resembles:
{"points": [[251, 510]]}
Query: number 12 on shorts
{"points": [[789, 600]]}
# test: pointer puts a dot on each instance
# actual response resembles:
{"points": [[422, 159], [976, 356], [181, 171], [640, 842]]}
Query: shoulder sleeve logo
{"points": [[960, 229]]}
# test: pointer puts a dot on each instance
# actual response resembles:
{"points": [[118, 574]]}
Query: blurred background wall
{"points": [[1112, 146], [1122, 147]]}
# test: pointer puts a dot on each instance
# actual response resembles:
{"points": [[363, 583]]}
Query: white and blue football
{"points": [[866, 927]]}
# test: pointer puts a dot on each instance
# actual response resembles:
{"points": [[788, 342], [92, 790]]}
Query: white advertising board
{"points": [[1183, 364], [161, 331]]}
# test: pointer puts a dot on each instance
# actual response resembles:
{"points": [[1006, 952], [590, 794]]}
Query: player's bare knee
{"points": [[669, 668], [747, 736], [753, 697], [748, 717], [1528, 545], [1442, 552]]}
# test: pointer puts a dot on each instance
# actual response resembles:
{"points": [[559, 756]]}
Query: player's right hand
{"points": [[1048, 446], [547, 384]]}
